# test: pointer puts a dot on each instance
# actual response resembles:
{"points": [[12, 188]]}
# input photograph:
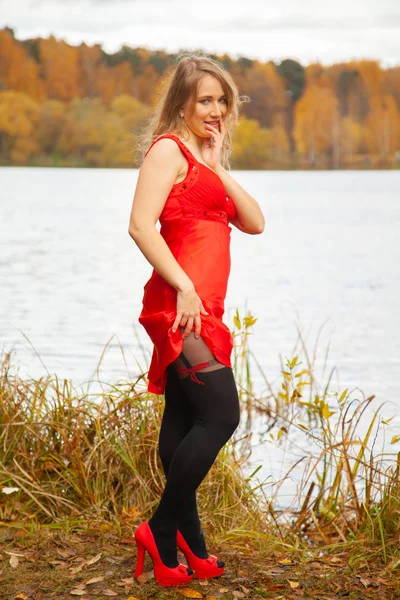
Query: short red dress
{"points": [[195, 225]]}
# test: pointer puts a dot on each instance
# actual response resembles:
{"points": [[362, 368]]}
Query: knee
{"points": [[230, 423]]}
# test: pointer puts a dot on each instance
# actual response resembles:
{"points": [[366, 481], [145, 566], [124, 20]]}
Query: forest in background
{"points": [[64, 105]]}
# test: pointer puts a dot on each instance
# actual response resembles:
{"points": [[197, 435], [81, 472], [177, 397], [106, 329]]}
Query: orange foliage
{"points": [[18, 71], [316, 119], [60, 67], [19, 115], [83, 104]]}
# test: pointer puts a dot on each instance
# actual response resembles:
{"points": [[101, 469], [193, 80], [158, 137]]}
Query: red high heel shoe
{"points": [[165, 576], [203, 567]]}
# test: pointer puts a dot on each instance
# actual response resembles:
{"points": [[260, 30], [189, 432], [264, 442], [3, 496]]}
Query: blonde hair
{"points": [[180, 86]]}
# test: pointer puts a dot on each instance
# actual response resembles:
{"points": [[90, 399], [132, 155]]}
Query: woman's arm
{"points": [[157, 175], [249, 218]]}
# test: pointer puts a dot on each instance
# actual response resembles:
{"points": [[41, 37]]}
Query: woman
{"points": [[183, 183]]}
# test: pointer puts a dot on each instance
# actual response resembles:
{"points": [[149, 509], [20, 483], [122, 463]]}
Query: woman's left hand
{"points": [[212, 147]]}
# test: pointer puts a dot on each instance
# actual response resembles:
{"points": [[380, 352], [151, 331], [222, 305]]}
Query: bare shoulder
{"points": [[165, 149]]}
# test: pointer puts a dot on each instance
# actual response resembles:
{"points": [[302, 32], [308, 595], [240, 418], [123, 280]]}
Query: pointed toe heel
{"points": [[164, 576], [203, 567]]}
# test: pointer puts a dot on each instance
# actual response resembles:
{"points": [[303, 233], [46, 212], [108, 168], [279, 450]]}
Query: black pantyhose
{"points": [[199, 418]]}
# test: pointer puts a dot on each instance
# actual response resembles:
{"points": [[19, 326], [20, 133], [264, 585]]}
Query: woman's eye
{"points": [[203, 101]]}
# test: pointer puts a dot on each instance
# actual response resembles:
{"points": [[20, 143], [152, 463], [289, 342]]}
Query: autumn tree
{"points": [[60, 68], [267, 93], [251, 145], [293, 75], [19, 115], [316, 126], [18, 71]]}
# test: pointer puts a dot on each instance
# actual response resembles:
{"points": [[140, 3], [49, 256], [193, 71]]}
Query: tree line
{"points": [[80, 106]]}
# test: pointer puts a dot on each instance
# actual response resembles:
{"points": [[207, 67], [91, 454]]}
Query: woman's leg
{"points": [[212, 393], [178, 419]]}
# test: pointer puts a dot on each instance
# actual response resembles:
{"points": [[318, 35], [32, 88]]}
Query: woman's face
{"points": [[210, 107]]}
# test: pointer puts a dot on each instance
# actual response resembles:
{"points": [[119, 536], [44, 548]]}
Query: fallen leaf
{"points": [[21, 596], [57, 563], [204, 582], [78, 592], [368, 582], [245, 589], [293, 584], [223, 590], [127, 540], [243, 573], [14, 562], [190, 593], [132, 598], [94, 560], [286, 561], [125, 582], [277, 571], [108, 592], [143, 577], [94, 580], [336, 559], [237, 594]]}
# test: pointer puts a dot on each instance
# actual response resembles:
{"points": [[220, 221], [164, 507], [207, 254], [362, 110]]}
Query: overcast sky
{"points": [[306, 30]]}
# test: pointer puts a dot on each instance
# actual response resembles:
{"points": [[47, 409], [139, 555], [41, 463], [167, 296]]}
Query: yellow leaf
{"points": [[286, 561], [325, 410], [293, 362], [132, 598], [236, 321], [303, 427], [395, 439], [293, 584], [303, 372], [287, 375], [387, 421], [281, 432], [21, 596], [190, 593], [343, 395], [249, 321]]}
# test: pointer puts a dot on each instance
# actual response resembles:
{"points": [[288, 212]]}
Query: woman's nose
{"points": [[216, 110]]}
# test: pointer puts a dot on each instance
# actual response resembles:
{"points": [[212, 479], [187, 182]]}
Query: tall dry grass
{"points": [[80, 459]]}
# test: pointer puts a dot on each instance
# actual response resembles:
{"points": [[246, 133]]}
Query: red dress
{"points": [[195, 225]]}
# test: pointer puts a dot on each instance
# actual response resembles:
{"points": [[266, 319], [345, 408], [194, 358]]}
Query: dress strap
{"points": [[184, 149]]}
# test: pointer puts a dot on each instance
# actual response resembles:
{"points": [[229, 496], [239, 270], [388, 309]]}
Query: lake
{"points": [[327, 264]]}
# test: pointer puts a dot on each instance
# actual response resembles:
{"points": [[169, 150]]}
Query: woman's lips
{"points": [[213, 123]]}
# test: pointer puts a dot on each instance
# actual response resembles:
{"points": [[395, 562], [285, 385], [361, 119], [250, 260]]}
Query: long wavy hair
{"points": [[180, 86]]}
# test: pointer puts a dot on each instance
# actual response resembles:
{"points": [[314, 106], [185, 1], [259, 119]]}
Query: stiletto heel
{"points": [[203, 567], [165, 576], [140, 558]]}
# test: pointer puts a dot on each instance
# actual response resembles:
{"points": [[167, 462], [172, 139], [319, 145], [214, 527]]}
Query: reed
{"points": [[80, 460]]}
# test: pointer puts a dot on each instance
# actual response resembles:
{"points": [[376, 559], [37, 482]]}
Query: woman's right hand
{"points": [[189, 307]]}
